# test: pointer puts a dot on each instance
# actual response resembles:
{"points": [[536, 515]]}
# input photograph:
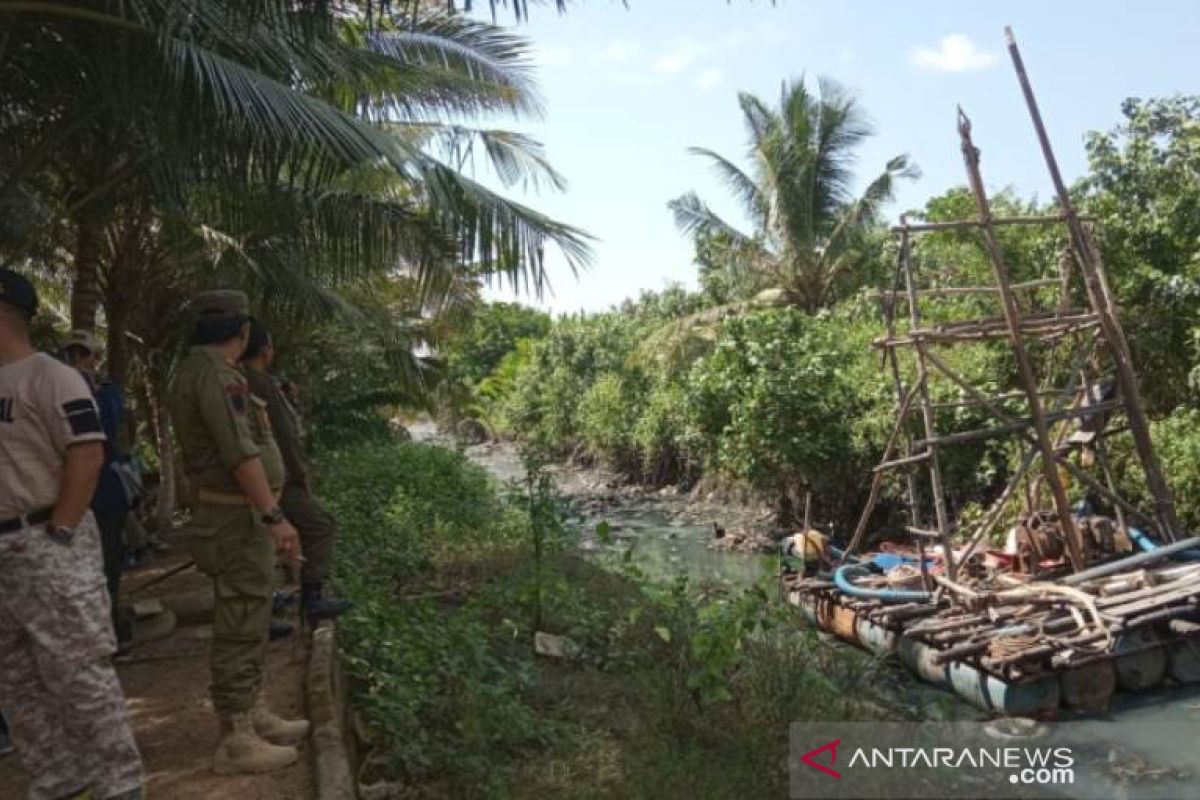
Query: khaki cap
{"points": [[82, 339], [226, 302]]}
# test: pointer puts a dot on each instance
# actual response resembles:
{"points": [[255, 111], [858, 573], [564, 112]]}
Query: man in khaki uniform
{"points": [[238, 528], [57, 684], [316, 525]]}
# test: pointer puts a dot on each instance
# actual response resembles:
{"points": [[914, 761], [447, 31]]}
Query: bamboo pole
{"points": [[959, 224], [927, 415], [1096, 283], [877, 479], [960, 291], [1064, 395], [1017, 425], [889, 315], [903, 462], [1024, 366]]}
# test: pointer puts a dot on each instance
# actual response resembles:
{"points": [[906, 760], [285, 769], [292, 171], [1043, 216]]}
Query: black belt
{"points": [[21, 523]]}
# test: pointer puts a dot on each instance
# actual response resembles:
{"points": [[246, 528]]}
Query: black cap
{"points": [[18, 292]]}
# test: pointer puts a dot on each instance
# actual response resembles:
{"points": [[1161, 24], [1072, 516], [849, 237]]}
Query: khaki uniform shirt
{"points": [[45, 407], [220, 423], [283, 423]]}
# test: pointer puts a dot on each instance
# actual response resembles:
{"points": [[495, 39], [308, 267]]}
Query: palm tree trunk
{"points": [[156, 411], [85, 290]]}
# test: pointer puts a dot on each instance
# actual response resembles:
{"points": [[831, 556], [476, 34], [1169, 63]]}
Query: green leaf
{"points": [[663, 632]]}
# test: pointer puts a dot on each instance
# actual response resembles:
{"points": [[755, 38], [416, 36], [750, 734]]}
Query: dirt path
{"points": [[166, 686]]}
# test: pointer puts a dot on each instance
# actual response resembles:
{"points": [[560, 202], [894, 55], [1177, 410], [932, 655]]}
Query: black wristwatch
{"points": [[273, 517]]}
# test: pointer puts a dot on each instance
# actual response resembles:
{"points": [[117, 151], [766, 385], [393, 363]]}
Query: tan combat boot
{"points": [[241, 751], [275, 729]]}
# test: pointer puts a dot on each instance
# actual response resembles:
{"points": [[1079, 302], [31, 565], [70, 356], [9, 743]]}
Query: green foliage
{"points": [[436, 694], [451, 578], [604, 414], [1177, 442], [1144, 187], [812, 236], [475, 349]]}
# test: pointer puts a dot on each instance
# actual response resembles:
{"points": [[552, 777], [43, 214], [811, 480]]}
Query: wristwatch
{"points": [[273, 517], [61, 534]]}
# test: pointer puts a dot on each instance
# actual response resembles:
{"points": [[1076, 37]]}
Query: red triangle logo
{"points": [[832, 747]]}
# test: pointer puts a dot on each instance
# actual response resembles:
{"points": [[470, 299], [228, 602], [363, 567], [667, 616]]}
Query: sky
{"points": [[627, 90]]}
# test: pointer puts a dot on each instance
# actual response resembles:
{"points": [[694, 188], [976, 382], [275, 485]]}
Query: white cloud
{"points": [[709, 78], [618, 51], [954, 53], [555, 56], [630, 78], [681, 55]]}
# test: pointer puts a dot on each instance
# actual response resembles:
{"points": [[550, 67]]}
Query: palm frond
{"points": [[692, 215], [516, 158], [505, 239], [738, 182]]}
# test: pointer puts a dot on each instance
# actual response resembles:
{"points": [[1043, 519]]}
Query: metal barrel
{"points": [[1183, 661], [842, 622], [989, 693], [1088, 687], [876, 638], [918, 657], [1141, 662]]}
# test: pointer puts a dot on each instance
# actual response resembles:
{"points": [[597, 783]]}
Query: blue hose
{"points": [[1148, 545], [842, 578]]}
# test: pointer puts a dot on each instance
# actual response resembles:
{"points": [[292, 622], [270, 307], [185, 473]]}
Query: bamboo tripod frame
{"points": [[1096, 329]]}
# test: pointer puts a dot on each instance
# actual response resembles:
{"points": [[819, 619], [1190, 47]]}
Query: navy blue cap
{"points": [[18, 292]]}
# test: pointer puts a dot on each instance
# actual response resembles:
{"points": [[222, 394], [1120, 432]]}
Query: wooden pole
{"points": [[877, 478], [1024, 366], [927, 415], [1017, 425], [960, 224], [889, 309], [1088, 260]]}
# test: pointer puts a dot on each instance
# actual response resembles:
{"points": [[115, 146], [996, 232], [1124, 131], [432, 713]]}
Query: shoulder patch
{"points": [[236, 392]]}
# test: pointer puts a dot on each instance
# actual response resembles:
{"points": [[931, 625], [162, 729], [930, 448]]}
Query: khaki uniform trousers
{"points": [[317, 530], [231, 546]]}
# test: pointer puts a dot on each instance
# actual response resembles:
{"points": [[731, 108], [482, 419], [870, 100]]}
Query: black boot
{"points": [[314, 607], [279, 629]]}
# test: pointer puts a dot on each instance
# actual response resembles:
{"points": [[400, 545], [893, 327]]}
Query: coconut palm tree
{"points": [[809, 227], [197, 106]]}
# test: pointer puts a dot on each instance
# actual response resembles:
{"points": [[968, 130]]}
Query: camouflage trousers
{"points": [[231, 546], [57, 685], [317, 530]]}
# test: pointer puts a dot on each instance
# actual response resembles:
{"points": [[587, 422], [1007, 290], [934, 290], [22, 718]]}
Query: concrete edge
{"points": [[332, 776]]}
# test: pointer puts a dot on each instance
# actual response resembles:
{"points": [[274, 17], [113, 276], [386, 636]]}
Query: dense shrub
{"points": [[436, 695], [675, 680], [776, 402]]}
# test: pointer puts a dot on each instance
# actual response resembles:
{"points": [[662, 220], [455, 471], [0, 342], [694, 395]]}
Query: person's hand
{"points": [[287, 542]]}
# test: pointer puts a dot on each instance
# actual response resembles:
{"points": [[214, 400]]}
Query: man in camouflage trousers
{"points": [[316, 525], [237, 527], [57, 684]]}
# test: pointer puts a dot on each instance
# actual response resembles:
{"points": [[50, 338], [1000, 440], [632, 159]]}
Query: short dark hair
{"points": [[73, 352], [218, 328], [260, 337]]}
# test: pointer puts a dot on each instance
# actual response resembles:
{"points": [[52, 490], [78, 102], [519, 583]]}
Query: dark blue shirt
{"points": [[110, 494]]}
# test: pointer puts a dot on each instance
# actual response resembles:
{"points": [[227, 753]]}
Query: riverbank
{"points": [[494, 653]]}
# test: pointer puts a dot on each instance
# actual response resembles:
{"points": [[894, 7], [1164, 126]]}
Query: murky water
{"points": [[668, 538]]}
